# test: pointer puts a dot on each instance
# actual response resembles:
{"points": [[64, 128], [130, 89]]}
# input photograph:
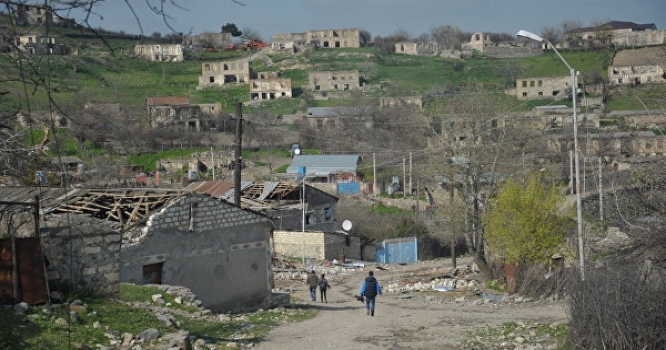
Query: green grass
{"points": [[640, 97], [388, 210], [38, 330], [532, 334]]}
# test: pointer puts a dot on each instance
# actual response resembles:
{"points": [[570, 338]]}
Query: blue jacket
{"points": [[378, 288]]}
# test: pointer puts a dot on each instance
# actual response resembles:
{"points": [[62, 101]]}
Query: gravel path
{"points": [[416, 320]]}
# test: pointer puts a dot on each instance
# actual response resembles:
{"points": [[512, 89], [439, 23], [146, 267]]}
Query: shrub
{"points": [[618, 307]]}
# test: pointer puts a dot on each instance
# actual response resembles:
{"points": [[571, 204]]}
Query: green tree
{"points": [[526, 222], [232, 29]]}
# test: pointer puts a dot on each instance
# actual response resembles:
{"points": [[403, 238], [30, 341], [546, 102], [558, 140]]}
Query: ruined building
{"points": [[269, 86], [556, 88], [217, 74], [417, 48], [334, 80], [160, 52], [327, 38]]}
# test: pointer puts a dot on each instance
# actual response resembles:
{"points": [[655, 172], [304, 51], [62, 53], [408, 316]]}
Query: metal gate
{"points": [[397, 250], [22, 271]]}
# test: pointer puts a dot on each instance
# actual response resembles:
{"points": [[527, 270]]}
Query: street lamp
{"points": [[579, 208]]}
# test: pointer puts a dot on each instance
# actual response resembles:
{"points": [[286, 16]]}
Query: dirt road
{"points": [[415, 320]]}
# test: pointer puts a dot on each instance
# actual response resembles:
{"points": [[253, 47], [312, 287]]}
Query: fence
{"points": [[397, 250]]}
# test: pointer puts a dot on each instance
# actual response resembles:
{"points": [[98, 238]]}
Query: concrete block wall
{"points": [[200, 213], [290, 243], [318, 245]]}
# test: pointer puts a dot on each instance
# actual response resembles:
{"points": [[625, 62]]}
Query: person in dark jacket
{"points": [[323, 287], [369, 290], [312, 283]]}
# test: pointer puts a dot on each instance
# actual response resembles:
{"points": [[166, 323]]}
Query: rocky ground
{"points": [[419, 310]]}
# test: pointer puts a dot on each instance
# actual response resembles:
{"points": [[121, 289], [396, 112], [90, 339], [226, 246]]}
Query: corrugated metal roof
{"points": [[322, 165], [215, 189]]}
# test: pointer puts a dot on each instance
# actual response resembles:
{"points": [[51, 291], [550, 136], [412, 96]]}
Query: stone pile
{"points": [[442, 284]]}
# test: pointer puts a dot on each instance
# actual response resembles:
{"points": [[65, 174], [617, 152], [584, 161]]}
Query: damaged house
{"points": [[177, 111], [309, 229], [269, 86], [219, 251], [218, 74]]}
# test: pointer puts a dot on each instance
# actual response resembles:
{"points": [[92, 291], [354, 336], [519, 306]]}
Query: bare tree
{"points": [[251, 34], [449, 36], [470, 151], [552, 34], [569, 31]]}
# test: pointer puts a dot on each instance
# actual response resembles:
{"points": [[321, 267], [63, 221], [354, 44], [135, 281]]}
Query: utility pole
{"points": [[601, 194], [410, 174], [212, 161], [374, 174], [404, 179], [237, 154]]}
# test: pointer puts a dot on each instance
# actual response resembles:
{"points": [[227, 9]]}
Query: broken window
{"points": [[540, 83], [211, 79], [524, 94], [152, 274], [540, 93], [532, 83], [524, 83]]}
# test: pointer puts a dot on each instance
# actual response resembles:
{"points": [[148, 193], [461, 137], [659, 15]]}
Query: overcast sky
{"points": [[379, 17]]}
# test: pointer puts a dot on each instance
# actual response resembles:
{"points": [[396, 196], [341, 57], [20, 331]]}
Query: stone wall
{"points": [[83, 256]]}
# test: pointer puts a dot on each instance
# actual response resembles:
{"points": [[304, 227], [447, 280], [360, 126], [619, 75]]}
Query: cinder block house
{"points": [[94, 239], [280, 201]]}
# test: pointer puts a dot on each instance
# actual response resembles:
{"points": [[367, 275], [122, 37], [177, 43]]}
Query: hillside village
{"points": [[84, 224]]}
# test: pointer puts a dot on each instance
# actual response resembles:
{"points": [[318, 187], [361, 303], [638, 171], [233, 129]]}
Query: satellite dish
{"points": [[346, 225]]}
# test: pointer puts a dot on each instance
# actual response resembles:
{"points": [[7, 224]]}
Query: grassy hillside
{"points": [[105, 71]]}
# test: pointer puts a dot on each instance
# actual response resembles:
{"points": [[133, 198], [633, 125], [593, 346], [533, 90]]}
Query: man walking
{"points": [[312, 283], [370, 289]]}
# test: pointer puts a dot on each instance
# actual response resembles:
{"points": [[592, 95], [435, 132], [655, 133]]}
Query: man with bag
{"points": [[369, 290]]}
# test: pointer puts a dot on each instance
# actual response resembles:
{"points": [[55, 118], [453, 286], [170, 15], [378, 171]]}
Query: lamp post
{"points": [[579, 209]]}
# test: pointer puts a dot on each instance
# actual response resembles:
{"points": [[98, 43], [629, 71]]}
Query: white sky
{"points": [[379, 17]]}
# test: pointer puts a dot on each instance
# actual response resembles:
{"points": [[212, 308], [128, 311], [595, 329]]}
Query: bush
{"points": [[618, 307]]}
